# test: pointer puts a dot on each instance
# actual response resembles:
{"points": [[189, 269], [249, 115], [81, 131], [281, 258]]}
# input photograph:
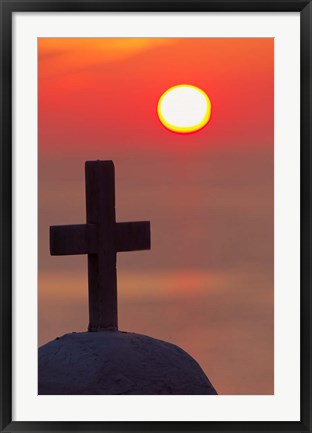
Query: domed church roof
{"points": [[114, 362]]}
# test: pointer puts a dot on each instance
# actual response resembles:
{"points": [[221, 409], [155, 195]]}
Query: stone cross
{"points": [[101, 238]]}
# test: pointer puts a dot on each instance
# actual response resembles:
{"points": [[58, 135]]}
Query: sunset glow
{"points": [[207, 284], [184, 108]]}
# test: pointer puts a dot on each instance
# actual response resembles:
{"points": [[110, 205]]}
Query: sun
{"points": [[184, 108]]}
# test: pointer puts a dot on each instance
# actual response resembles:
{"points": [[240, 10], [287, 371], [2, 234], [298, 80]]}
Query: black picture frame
{"points": [[8, 7]]}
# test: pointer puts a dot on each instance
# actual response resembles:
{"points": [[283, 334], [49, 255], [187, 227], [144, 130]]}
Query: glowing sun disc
{"points": [[184, 108]]}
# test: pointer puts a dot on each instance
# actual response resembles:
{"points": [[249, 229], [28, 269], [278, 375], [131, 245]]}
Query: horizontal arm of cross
{"points": [[73, 239], [82, 238], [133, 236]]}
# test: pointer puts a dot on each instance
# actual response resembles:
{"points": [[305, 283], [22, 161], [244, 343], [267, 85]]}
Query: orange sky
{"points": [[207, 283], [121, 80]]}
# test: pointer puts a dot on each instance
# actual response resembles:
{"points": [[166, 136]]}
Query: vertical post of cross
{"points": [[102, 278]]}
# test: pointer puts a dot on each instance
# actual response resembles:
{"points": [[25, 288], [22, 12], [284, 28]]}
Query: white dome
{"points": [[118, 363]]}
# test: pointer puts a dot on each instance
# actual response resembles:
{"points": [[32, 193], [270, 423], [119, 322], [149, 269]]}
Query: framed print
{"points": [[155, 216]]}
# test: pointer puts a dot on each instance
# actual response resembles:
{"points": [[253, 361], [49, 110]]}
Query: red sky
{"points": [[207, 283], [121, 80]]}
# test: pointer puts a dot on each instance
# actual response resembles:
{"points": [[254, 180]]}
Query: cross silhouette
{"points": [[101, 238]]}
